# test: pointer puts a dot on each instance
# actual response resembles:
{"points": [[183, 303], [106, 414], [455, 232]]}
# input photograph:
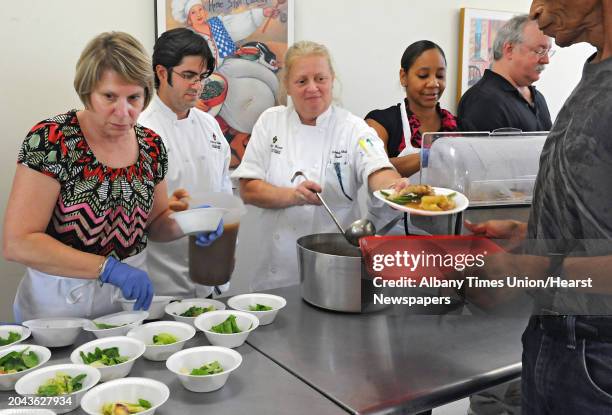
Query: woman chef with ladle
{"points": [[336, 150]]}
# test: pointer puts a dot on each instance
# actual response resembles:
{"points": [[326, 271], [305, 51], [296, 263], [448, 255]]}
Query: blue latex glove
{"points": [[207, 238], [133, 282]]}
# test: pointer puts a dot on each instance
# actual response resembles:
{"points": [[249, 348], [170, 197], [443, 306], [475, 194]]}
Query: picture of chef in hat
{"points": [[222, 31]]}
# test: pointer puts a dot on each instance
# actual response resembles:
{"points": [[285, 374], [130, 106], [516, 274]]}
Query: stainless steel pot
{"points": [[332, 275]]}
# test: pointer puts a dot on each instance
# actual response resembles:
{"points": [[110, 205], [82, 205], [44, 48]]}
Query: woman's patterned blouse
{"points": [[100, 210]]}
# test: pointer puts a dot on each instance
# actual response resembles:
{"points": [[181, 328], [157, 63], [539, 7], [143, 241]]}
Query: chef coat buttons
{"points": [[276, 237]]}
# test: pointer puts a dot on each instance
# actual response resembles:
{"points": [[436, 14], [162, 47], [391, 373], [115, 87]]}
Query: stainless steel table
{"points": [[258, 386], [391, 362]]}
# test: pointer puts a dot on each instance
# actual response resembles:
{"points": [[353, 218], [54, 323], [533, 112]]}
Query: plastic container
{"points": [[214, 264]]}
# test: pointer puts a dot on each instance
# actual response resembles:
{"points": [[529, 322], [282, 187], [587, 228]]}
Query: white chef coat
{"points": [[279, 146], [198, 160]]}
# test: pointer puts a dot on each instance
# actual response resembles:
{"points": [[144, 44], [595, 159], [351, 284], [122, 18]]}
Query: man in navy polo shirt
{"points": [[505, 97]]}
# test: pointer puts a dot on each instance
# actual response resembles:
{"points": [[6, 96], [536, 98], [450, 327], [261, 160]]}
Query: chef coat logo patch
{"points": [[214, 142], [275, 148]]}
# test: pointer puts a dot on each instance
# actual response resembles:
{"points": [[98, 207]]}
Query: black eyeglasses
{"points": [[193, 77]]}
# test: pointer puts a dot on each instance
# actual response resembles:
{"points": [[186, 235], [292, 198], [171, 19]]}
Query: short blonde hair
{"points": [[301, 49], [117, 51]]}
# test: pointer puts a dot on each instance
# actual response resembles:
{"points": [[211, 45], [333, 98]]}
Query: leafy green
{"points": [[195, 311], [106, 357], [229, 326], [403, 199], [260, 307], [61, 384], [125, 408], [13, 336], [163, 339], [207, 369], [104, 326], [14, 362]]}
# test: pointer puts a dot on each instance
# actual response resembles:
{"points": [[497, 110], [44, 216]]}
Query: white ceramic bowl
{"points": [[55, 331], [7, 382], [176, 308], [246, 323], [126, 320], [132, 348], [28, 385], [243, 301], [126, 390], [195, 357], [197, 220], [26, 411], [145, 333], [24, 332], [156, 311]]}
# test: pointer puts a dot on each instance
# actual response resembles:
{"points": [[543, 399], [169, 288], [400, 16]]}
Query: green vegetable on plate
{"points": [[229, 326], [14, 362], [103, 357], [207, 369], [195, 311], [13, 336], [260, 307], [164, 339], [61, 384], [125, 408]]}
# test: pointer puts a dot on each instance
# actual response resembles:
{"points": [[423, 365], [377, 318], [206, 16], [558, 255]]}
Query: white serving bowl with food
{"points": [[126, 391], [169, 335], [184, 362], [196, 220], [158, 305], [12, 334], [30, 383], [14, 367], [258, 304], [117, 324], [129, 350], [245, 323], [193, 305], [55, 331]]}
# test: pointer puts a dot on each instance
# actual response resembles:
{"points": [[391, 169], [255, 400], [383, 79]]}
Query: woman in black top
{"points": [[423, 75]]}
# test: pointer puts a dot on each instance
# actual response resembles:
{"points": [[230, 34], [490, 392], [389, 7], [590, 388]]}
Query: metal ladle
{"points": [[356, 230]]}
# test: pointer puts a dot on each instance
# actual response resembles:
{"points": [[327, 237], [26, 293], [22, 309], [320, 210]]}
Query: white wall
{"points": [[42, 40]]}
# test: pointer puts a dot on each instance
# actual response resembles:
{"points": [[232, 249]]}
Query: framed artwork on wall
{"points": [[249, 40], [477, 30]]}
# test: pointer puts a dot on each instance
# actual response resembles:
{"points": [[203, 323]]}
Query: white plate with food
{"points": [[425, 200]]}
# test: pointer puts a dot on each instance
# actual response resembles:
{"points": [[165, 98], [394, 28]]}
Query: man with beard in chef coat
{"points": [[198, 154]]}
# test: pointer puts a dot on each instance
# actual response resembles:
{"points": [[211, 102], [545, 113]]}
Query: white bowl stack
{"points": [[246, 323], [6, 329], [126, 390], [145, 333], [129, 347], [176, 308], [196, 357], [7, 381], [28, 384], [55, 331], [126, 320], [243, 301], [156, 311]]}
